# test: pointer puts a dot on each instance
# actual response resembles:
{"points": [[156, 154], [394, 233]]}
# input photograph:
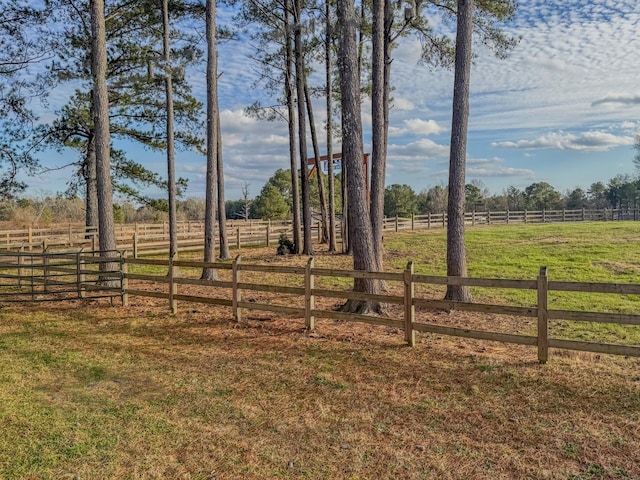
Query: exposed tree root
{"points": [[363, 307], [458, 293]]}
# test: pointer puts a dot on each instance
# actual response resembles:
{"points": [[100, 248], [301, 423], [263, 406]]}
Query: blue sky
{"points": [[562, 108]]}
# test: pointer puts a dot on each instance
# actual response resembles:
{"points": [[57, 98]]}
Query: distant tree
{"points": [[542, 196], [514, 198], [246, 202], [597, 195], [233, 209], [576, 199], [270, 204], [474, 197], [275, 199], [433, 200], [399, 200], [622, 192], [192, 210], [118, 214]]}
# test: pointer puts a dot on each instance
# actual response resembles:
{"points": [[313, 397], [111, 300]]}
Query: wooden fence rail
{"points": [[151, 239], [237, 287], [51, 276]]}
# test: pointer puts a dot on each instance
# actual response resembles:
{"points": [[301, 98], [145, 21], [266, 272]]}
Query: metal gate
{"points": [[43, 277]]}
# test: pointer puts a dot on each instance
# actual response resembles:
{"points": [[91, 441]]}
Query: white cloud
{"points": [[617, 100], [422, 127], [593, 141], [495, 167], [416, 126], [417, 151], [402, 104]]}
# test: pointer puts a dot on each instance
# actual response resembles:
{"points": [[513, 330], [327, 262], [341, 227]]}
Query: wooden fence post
{"points": [[429, 221], [135, 244], [544, 215], [564, 215], [473, 218], [507, 216], [413, 221], [309, 298], [543, 316], [525, 216], [268, 233], [94, 239], [396, 224], [20, 263], [30, 237], [488, 217], [125, 280], [409, 307], [319, 225], [238, 238], [173, 287], [80, 275], [583, 214], [235, 291], [45, 266], [444, 219]]}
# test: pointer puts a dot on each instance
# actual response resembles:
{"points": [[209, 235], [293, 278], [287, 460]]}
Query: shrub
{"points": [[285, 246]]}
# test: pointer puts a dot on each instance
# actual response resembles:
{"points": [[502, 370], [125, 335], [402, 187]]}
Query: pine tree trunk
{"points": [[378, 134], [212, 142], [222, 212], [316, 152], [331, 173], [171, 166], [346, 244], [307, 238], [361, 236], [91, 187], [293, 127], [456, 254], [107, 236]]}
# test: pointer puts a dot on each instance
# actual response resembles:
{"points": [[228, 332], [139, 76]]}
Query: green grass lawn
{"points": [[595, 252], [601, 252]]}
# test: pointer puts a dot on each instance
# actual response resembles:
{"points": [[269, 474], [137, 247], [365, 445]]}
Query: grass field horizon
{"points": [[92, 391]]}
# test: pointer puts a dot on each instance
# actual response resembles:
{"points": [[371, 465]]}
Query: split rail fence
{"points": [[148, 239], [232, 293]]}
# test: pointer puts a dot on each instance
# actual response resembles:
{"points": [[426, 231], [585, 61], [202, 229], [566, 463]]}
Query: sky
{"points": [[563, 108]]}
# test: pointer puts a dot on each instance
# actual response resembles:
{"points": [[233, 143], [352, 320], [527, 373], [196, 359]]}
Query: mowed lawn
{"points": [[92, 391]]}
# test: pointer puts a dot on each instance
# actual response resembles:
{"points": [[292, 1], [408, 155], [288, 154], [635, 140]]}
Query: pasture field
{"points": [[92, 391]]}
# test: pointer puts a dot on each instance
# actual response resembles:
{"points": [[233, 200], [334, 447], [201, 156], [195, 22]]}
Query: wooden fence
{"points": [[231, 293], [151, 239], [44, 277]]}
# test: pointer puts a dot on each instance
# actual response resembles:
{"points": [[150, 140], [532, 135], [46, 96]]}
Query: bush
{"points": [[285, 246]]}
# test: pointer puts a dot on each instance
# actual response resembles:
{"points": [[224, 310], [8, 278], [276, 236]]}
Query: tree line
{"points": [[274, 202]]}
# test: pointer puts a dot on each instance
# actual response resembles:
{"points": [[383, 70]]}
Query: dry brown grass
{"points": [[112, 392]]}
